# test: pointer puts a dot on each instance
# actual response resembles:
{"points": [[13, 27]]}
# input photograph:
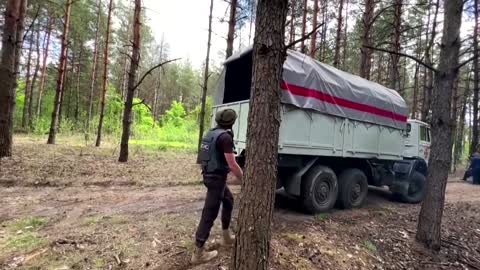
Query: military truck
{"points": [[339, 133]]}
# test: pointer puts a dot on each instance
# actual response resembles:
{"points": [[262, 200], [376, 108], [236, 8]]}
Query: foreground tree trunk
{"points": [[252, 247], [105, 76], [476, 80], [46, 45], [231, 27], [93, 74], [7, 75], [430, 219], [338, 38], [132, 74], [313, 39], [366, 54], [61, 74], [205, 78], [393, 73]]}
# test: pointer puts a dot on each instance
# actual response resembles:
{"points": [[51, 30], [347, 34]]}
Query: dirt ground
{"points": [[74, 207]]}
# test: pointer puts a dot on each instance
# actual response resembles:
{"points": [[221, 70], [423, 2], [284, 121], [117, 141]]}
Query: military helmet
{"points": [[226, 117]]}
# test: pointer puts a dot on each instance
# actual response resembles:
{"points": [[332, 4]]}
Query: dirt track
{"points": [[98, 221]]}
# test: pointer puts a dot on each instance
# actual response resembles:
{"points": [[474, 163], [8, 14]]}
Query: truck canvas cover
{"points": [[309, 84]]}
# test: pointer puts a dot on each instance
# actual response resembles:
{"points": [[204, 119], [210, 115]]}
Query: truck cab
{"points": [[417, 140]]}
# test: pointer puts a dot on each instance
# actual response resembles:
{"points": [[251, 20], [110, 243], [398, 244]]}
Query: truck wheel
{"points": [[352, 188], [319, 189], [416, 189]]}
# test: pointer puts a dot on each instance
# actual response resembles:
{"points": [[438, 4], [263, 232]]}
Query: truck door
{"points": [[424, 143]]}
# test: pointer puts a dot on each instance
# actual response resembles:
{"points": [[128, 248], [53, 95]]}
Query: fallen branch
{"points": [[404, 55], [150, 71], [307, 36]]}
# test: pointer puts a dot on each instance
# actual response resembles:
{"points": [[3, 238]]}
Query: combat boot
{"points": [[200, 255], [227, 239]]}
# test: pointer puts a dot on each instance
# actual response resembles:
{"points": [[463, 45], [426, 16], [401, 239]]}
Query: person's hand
{"points": [[233, 180]]}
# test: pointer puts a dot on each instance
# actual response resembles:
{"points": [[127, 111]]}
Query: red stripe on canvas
{"points": [[312, 93]]}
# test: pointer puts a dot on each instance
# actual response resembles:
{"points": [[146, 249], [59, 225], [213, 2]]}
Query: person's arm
{"points": [[233, 165]]}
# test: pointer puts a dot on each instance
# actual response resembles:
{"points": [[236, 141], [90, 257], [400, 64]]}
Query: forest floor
{"points": [[69, 206]]}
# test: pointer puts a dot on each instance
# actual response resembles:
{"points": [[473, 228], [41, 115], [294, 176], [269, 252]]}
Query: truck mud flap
{"points": [[293, 184]]}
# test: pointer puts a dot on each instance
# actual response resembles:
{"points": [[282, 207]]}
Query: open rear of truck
{"points": [[333, 125]]}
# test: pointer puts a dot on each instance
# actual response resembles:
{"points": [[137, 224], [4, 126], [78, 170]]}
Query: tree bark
{"points": [[430, 219], [158, 84], [345, 44], [231, 27], [13, 18], [428, 60], [323, 42], [77, 89], [28, 82], [93, 74], [46, 45], [395, 46], [338, 38], [461, 126], [131, 83], [60, 79], [313, 38], [292, 20], [34, 81], [105, 75], [252, 247], [304, 25], [366, 54], [415, 92], [476, 80], [205, 78]]}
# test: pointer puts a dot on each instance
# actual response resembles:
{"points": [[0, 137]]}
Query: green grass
{"points": [[321, 216], [369, 245], [22, 234], [164, 145]]}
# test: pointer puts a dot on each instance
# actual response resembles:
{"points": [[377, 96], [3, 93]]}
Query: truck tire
{"points": [[416, 189], [352, 188], [319, 189]]}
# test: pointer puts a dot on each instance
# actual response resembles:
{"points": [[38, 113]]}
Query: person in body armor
{"points": [[217, 160]]}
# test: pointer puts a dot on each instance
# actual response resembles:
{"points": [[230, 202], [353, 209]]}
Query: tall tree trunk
{"points": [[231, 27], [205, 78], [93, 74], [461, 126], [46, 45], [345, 43], [158, 85], [69, 74], [338, 38], [34, 80], [395, 46], [366, 54], [313, 39], [131, 83], [476, 80], [60, 79], [304, 25], [252, 247], [252, 10], [428, 59], [415, 92], [380, 68], [77, 91], [105, 75], [292, 20], [13, 23], [430, 219], [28, 82], [323, 43]]}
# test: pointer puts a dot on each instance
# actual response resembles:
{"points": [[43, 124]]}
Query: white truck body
{"points": [[310, 133]]}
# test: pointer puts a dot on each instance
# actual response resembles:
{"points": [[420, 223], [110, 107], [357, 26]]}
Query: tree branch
{"points": [[307, 36], [404, 55], [31, 25], [150, 71], [466, 61], [142, 102]]}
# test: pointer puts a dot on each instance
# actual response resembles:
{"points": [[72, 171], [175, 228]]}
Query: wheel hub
{"points": [[356, 192]]}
